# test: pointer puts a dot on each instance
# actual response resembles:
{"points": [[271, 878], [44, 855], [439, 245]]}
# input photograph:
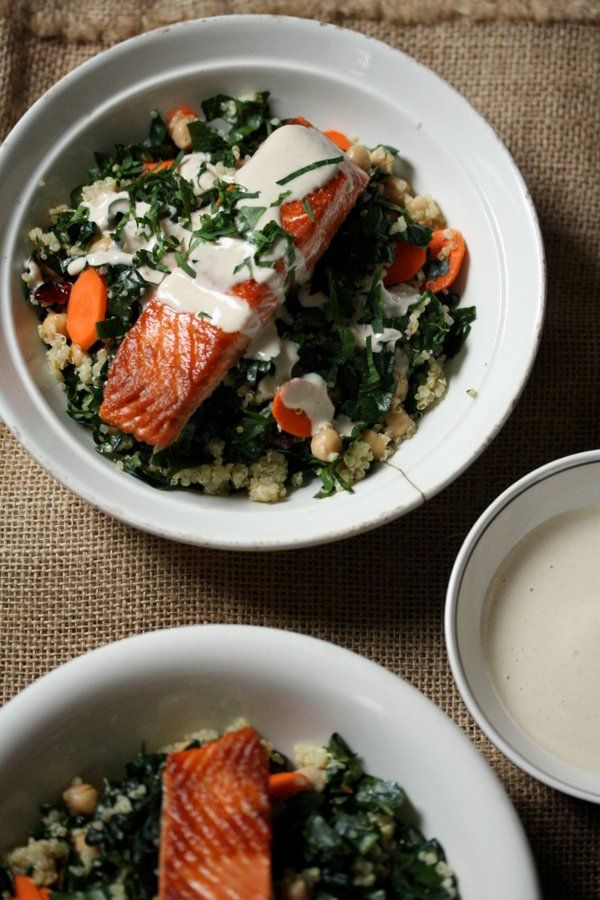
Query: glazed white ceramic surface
{"points": [[561, 486], [91, 715], [338, 79]]}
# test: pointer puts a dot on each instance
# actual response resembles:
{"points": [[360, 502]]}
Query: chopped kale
{"points": [[356, 840], [235, 426]]}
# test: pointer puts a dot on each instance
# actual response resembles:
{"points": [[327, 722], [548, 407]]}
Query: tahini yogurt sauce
{"points": [[219, 265], [541, 632]]}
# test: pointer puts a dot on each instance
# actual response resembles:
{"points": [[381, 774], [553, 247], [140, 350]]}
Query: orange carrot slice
{"points": [[283, 785], [339, 139], [408, 259], [27, 889], [216, 822], [159, 165], [87, 306], [182, 111], [294, 421], [452, 241]]}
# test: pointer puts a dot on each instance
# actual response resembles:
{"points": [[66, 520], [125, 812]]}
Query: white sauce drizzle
{"points": [[105, 206], [266, 345], [387, 338], [185, 294], [309, 394], [285, 361], [397, 300], [311, 301], [114, 256], [542, 636]]}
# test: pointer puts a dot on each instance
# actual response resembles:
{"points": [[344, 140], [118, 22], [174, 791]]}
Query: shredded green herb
{"points": [[316, 165]]}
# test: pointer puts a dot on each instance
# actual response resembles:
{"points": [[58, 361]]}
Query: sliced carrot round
{"points": [[182, 111], [159, 165], [408, 259], [339, 139], [452, 242], [87, 306], [26, 888], [294, 421], [283, 785]]}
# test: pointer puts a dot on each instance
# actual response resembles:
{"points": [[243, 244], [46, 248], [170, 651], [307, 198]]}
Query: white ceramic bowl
{"points": [[563, 485], [91, 715], [338, 79]]}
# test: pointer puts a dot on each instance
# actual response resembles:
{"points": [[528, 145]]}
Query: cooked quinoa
{"points": [[381, 350], [351, 836]]}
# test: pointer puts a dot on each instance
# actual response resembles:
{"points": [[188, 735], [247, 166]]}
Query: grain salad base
{"points": [[60, 597]]}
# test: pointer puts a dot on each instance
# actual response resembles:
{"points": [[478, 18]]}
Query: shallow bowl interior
{"points": [[564, 485], [337, 79], [90, 716]]}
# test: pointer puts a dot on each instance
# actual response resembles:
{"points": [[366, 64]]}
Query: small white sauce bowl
{"points": [[561, 486], [90, 716]]}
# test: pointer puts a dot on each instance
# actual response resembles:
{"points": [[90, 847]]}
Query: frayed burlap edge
{"points": [[113, 20]]}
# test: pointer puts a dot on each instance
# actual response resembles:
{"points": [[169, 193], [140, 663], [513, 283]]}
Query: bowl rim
{"points": [[84, 674], [453, 642], [413, 495]]}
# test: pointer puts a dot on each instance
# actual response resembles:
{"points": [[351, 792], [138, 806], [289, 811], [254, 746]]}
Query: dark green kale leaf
{"points": [[158, 130], [125, 288], [250, 120], [358, 839], [206, 140], [459, 331]]}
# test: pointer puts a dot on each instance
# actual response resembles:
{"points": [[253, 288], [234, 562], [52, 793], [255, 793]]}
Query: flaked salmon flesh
{"points": [[216, 822], [169, 362]]}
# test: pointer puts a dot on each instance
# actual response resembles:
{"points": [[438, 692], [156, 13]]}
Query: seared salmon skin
{"points": [[169, 361], [215, 841]]}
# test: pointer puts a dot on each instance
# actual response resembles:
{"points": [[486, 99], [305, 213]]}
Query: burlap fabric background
{"points": [[72, 579]]}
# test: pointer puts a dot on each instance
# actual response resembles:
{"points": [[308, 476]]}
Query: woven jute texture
{"points": [[72, 579]]}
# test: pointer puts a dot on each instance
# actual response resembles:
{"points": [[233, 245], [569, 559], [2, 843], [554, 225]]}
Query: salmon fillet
{"points": [[215, 826], [169, 362]]}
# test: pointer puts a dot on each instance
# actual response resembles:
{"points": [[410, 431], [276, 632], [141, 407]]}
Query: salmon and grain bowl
{"points": [[241, 303], [227, 817]]}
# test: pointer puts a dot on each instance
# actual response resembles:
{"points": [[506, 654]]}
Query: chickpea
{"points": [[397, 190], [360, 156], [295, 889], [326, 443], [87, 852], [76, 355], [81, 798], [53, 324], [100, 243], [377, 442], [399, 423], [401, 386], [383, 159], [179, 131]]}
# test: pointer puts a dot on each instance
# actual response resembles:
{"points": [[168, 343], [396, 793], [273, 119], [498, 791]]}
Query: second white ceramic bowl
{"points": [[566, 484], [90, 716]]}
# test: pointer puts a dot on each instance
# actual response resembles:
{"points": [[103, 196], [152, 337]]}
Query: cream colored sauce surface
{"points": [[309, 394], [284, 362], [228, 312], [542, 636]]}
